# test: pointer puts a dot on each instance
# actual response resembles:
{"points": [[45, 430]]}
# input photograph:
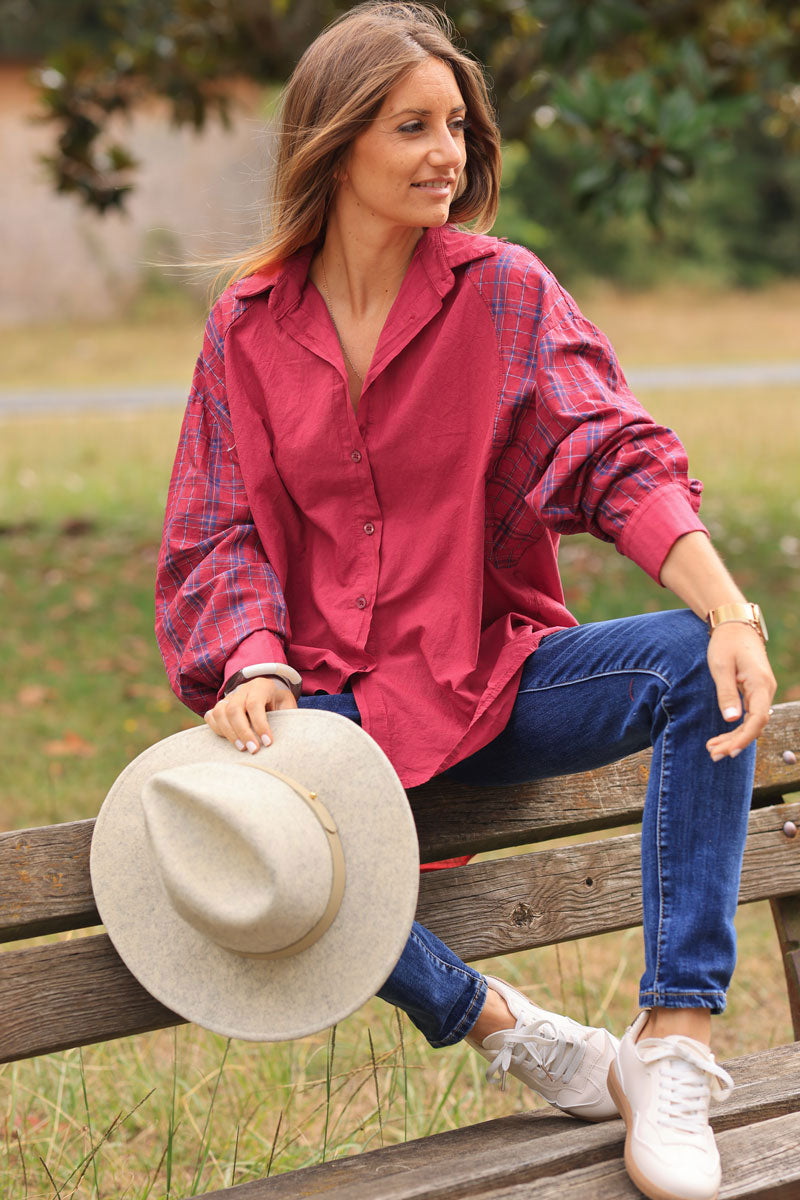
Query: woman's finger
{"points": [[740, 669], [258, 704], [218, 719], [241, 717]]}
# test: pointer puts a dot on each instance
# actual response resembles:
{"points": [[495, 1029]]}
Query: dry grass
{"points": [[679, 325], [158, 344]]}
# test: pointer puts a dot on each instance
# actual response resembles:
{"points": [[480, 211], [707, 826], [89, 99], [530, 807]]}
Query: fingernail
{"points": [[734, 753], [266, 740], [239, 744], [715, 757], [252, 747], [730, 713]]}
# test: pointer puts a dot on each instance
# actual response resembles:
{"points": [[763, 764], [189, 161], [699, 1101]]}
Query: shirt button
{"points": [[361, 602], [369, 528], [356, 456]]}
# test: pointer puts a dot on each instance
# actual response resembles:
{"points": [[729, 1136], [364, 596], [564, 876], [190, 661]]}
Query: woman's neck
{"points": [[362, 269]]}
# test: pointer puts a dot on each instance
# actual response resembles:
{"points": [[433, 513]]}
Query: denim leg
{"points": [[587, 697], [598, 692], [440, 994]]}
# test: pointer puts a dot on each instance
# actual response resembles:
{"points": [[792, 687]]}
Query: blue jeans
{"points": [[588, 696]]}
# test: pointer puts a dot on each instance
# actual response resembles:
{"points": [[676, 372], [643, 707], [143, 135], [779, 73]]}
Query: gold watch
{"points": [[749, 614]]}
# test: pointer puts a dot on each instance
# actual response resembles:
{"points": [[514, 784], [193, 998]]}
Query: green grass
{"points": [[177, 1112]]}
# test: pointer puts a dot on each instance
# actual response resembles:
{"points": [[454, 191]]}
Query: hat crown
{"points": [[241, 857]]}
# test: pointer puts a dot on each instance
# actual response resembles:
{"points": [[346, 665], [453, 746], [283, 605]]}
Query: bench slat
{"points": [[44, 880], [517, 1149], [71, 993], [759, 1162], [482, 909], [44, 873], [510, 904]]}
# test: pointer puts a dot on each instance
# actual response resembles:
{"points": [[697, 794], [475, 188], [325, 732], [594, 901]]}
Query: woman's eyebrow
{"points": [[426, 112]]}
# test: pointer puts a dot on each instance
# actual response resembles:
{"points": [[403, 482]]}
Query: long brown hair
{"points": [[335, 90]]}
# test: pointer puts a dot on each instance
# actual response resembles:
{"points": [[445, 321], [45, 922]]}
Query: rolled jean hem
{"points": [[668, 998], [468, 1018]]}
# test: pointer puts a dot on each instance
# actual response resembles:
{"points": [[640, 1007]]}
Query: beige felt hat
{"points": [[264, 897]]}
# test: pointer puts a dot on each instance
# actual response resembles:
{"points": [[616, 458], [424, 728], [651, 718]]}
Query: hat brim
{"points": [[267, 999]]}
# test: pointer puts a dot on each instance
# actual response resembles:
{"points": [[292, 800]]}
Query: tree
{"points": [[650, 91]]}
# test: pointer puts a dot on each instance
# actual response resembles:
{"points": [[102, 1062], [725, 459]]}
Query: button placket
{"points": [[366, 562]]}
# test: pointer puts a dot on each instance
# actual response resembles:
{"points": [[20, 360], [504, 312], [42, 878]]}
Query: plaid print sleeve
{"points": [[575, 451], [214, 587]]}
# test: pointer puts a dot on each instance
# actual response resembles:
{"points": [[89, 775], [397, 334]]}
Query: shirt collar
{"points": [[440, 250]]}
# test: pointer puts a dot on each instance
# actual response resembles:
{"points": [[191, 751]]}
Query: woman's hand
{"points": [[737, 656], [737, 660], [241, 716]]}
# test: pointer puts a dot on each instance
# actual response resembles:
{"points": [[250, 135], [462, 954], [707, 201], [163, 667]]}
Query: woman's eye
{"points": [[457, 127]]}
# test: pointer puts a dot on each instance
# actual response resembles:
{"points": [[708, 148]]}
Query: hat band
{"points": [[331, 832]]}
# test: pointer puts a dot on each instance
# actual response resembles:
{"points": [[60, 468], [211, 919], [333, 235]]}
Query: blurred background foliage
{"points": [[637, 132]]}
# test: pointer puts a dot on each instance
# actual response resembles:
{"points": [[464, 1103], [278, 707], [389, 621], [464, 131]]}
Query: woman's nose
{"points": [[448, 151]]}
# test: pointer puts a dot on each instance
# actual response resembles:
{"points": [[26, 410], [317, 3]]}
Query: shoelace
{"points": [[687, 1081], [539, 1047]]}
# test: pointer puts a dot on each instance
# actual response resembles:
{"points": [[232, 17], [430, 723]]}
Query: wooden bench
{"points": [[62, 994]]}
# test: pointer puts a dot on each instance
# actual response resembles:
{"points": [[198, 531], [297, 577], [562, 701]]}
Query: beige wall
{"points": [[196, 195]]}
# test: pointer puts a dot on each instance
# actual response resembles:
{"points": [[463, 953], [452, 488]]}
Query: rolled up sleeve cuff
{"points": [[259, 647], [665, 514]]}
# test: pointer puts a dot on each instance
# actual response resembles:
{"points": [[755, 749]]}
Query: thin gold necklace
{"points": [[347, 357]]}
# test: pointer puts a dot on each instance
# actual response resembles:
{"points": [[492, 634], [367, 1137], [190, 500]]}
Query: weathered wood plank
{"points": [[786, 915], [44, 880], [554, 895], [759, 1162], [453, 819], [480, 910], [44, 873], [71, 994], [774, 775], [522, 1148]]}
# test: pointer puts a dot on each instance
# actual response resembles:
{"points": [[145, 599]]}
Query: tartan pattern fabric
{"points": [[575, 451], [214, 585]]}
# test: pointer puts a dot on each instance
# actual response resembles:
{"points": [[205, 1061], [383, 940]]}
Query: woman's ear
{"points": [[340, 169]]}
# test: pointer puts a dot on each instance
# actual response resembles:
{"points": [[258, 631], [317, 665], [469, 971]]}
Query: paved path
{"points": [[645, 379]]}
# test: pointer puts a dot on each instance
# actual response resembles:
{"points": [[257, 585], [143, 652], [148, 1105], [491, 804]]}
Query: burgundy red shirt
{"points": [[410, 547]]}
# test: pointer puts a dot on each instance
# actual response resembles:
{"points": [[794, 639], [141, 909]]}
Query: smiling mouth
{"points": [[438, 185]]}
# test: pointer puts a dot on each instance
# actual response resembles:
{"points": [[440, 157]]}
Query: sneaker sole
{"points": [[650, 1189]]}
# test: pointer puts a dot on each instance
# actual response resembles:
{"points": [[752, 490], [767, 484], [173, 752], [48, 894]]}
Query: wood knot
{"points": [[523, 914]]}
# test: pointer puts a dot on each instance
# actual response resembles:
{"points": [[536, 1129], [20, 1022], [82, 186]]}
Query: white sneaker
{"points": [[563, 1061], [663, 1087]]}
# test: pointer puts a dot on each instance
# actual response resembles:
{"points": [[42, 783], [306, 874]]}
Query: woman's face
{"points": [[405, 168]]}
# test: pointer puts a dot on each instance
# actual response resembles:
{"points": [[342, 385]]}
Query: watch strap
{"points": [[293, 679], [745, 613]]}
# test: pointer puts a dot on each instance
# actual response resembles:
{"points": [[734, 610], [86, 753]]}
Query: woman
{"points": [[392, 421]]}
